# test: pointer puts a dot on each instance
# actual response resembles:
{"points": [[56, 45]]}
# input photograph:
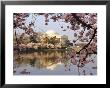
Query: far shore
{"points": [[31, 50]]}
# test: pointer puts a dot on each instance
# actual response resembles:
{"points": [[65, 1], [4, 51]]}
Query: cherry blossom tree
{"points": [[84, 26]]}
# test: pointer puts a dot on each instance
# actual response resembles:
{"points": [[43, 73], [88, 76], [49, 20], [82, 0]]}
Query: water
{"points": [[52, 62]]}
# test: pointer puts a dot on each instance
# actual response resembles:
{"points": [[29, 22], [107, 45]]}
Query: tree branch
{"points": [[87, 25], [89, 41], [82, 22]]}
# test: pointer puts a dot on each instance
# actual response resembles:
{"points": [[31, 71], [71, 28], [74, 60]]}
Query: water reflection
{"points": [[52, 62]]}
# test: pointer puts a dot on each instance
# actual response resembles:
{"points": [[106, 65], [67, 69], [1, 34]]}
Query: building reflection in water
{"points": [[56, 61]]}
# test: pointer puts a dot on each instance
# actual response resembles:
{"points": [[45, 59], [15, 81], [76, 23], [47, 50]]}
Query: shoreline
{"points": [[45, 50]]}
